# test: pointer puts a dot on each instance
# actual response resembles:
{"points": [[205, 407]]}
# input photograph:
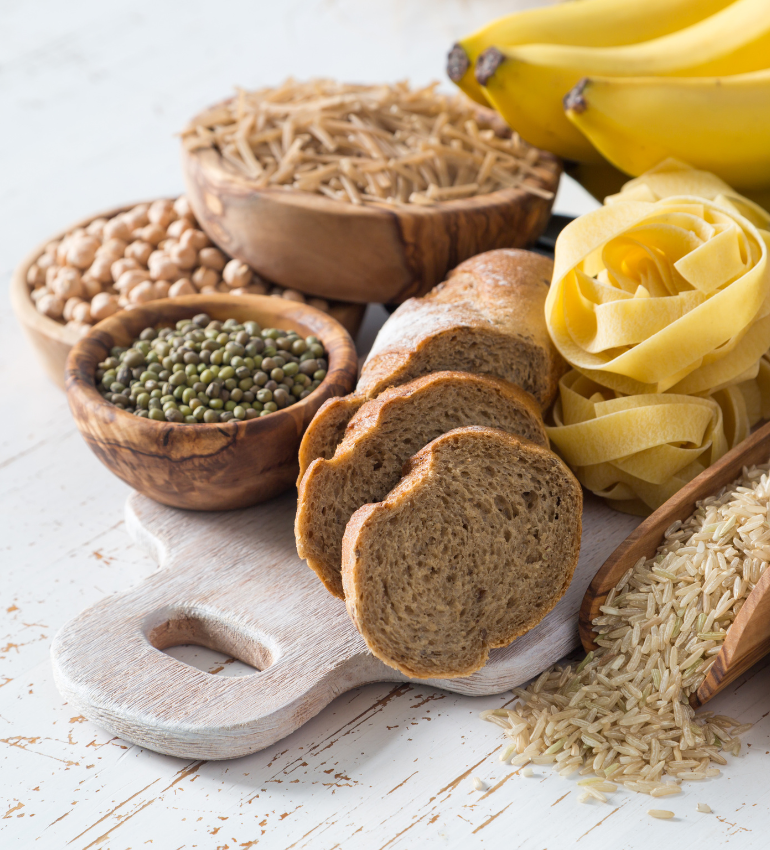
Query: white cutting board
{"points": [[232, 581]]}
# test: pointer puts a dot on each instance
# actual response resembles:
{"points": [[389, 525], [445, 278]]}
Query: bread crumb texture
{"points": [[471, 549]]}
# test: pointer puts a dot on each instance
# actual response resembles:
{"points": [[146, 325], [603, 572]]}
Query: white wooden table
{"points": [[91, 93]]}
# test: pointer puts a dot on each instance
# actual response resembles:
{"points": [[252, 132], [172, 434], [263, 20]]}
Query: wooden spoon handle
{"points": [[749, 637]]}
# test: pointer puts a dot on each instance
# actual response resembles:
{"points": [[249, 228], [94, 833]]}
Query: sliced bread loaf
{"points": [[487, 318], [381, 437], [471, 549]]}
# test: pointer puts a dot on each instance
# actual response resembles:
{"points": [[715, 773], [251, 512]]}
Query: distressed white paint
{"points": [[237, 577], [90, 94]]}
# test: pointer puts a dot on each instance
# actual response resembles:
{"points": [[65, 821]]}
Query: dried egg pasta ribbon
{"points": [[672, 177], [637, 451], [646, 294]]}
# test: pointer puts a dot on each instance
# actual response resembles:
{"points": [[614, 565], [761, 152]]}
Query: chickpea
{"points": [[185, 256], [166, 245], [50, 274], [82, 313], [142, 293], [151, 233], [116, 228], [81, 252], [119, 267], [182, 208], [252, 289], [293, 295], [178, 227], [195, 239], [162, 213], [51, 247], [96, 227], [103, 305], [209, 290], [213, 258], [69, 306], [140, 251], [37, 294], [36, 276], [77, 329], [130, 279], [163, 268], [91, 286], [67, 283], [50, 305], [204, 276], [237, 273], [45, 261], [222, 287], [100, 270], [161, 288], [113, 249], [137, 217], [62, 248], [182, 287]]}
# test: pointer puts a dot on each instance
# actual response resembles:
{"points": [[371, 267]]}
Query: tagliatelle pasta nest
{"points": [[637, 451], [648, 296], [660, 301]]}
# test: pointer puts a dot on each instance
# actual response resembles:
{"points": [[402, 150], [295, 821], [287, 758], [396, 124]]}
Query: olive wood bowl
{"points": [[218, 466], [748, 639], [371, 252], [52, 341]]}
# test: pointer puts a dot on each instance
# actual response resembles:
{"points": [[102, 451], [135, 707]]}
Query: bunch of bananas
{"points": [[629, 84]]}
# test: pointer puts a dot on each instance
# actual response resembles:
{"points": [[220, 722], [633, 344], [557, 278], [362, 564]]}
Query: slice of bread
{"points": [[326, 429], [487, 318], [381, 437], [472, 548]]}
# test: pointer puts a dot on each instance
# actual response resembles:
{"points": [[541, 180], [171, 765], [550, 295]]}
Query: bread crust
{"points": [[360, 571], [501, 291], [329, 485], [497, 298]]}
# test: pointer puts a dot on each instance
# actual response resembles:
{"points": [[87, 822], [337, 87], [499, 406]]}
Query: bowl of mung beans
{"points": [[200, 402]]}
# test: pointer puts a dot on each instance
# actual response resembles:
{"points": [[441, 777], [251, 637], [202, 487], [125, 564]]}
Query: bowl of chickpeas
{"points": [[129, 257], [201, 401]]}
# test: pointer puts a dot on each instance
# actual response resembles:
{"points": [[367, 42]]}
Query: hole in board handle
{"points": [[209, 661], [183, 629]]}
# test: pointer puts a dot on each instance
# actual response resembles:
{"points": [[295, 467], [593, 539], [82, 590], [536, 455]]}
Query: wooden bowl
{"points": [[52, 341], [364, 253], [203, 467]]}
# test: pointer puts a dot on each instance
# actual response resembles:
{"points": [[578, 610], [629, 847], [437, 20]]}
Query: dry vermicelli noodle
{"points": [[622, 716], [365, 143]]}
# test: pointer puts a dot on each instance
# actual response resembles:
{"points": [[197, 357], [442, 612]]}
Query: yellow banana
{"points": [[593, 23], [526, 84], [717, 124]]}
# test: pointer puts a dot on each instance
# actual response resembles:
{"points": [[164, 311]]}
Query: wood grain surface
{"points": [[233, 582], [53, 341], [748, 639], [357, 253], [218, 466]]}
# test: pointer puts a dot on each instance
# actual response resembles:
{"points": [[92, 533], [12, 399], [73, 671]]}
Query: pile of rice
{"points": [[622, 716]]}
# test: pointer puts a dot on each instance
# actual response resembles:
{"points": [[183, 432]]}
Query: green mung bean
{"points": [[202, 370]]}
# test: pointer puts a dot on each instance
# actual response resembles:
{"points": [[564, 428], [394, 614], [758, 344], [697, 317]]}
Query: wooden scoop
{"points": [[749, 637]]}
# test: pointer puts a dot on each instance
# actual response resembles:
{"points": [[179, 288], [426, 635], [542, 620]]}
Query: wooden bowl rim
{"points": [[79, 385], [21, 301]]}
